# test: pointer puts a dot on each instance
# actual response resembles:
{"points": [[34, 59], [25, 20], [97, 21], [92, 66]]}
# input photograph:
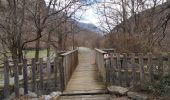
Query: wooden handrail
{"points": [[100, 51], [67, 53]]}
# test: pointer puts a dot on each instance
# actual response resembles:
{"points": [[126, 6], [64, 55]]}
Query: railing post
{"points": [[119, 68], [41, 76], [6, 79], [33, 75], [125, 65], [61, 69], [133, 69], [25, 76], [16, 78], [112, 62], [141, 65], [107, 70], [160, 68], [150, 67], [169, 61], [55, 71]]}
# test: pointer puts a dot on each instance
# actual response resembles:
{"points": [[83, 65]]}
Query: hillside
{"points": [[144, 26]]}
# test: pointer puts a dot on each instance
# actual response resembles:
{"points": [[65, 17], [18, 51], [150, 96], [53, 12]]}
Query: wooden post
{"points": [[55, 71], [133, 69], [119, 68], [6, 79], [150, 67], [33, 75], [169, 62], [125, 65], [41, 76], [48, 71], [160, 68], [16, 79], [112, 69], [61, 69], [107, 68], [141, 65], [25, 76]]}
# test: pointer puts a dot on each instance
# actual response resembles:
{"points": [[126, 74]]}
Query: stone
{"points": [[117, 90], [137, 96], [21, 91], [31, 94], [47, 97], [53, 94]]}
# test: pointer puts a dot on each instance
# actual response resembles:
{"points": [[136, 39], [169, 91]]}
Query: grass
{"points": [[31, 53]]}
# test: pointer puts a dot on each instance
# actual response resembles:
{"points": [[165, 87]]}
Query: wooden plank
{"points": [[25, 76], [56, 72], [113, 62], [61, 69], [169, 62], [100, 51], [70, 52], [125, 65], [119, 69], [133, 69], [16, 78], [6, 79], [107, 66], [41, 76], [150, 65], [48, 70], [141, 65], [33, 75], [160, 67], [86, 76]]}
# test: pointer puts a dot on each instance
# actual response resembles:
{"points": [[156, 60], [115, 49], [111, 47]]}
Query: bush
{"points": [[161, 87]]}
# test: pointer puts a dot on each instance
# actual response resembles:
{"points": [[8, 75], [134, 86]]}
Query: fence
{"points": [[100, 62], [38, 76], [70, 61], [131, 69]]}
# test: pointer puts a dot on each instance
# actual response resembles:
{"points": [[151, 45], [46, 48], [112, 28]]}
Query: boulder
{"points": [[32, 95], [117, 90], [137, 96], [52, 96]]}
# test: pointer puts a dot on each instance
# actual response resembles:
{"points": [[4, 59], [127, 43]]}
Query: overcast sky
{"points": [[87, 16]]}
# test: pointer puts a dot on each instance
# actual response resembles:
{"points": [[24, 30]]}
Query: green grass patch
{"points": [[31, 53]]}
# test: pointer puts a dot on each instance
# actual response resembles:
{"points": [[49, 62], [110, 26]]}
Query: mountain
{"points": [[89, 27]]}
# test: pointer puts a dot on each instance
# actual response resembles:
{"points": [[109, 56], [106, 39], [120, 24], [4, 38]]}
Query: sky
{"points": [[86, 16], [89, 15]]}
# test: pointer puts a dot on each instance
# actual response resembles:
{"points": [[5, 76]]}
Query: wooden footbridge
{"points": [[82, 73]]}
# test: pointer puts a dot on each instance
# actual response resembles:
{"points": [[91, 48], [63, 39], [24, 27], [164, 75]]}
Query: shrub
{"points": [[160, 87]]}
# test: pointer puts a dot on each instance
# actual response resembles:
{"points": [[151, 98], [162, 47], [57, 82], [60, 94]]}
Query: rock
{"points": [[31, 94], [137, 96], [53, 94], [21, 91], [47, 97], [117, 90]]}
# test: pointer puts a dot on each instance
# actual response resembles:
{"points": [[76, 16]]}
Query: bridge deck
{"points": [[85, 77]]}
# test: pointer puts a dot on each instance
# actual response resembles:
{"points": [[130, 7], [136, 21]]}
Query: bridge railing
{"points": [[101, 63], [130, 69], [40, 76], [70, 61]]}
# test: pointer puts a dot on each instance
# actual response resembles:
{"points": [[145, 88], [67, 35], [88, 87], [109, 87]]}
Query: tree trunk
{"points": [[48, 44], [37, 48]]}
